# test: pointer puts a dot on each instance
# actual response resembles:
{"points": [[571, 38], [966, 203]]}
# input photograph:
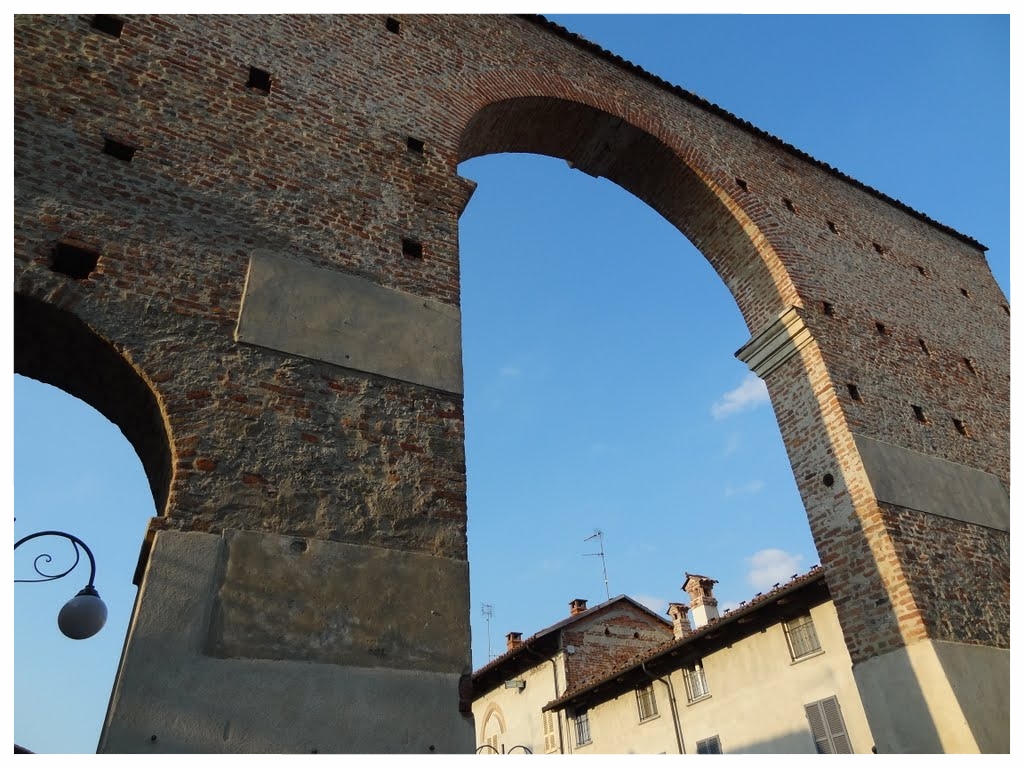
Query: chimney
{"points": [[577, 606], [680, 621], [513, 640], [702, 602]]}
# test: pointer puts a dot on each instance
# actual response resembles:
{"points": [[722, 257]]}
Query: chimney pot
{"points": [[680, 621], [513, 640], [577, 606], [702, 602]]}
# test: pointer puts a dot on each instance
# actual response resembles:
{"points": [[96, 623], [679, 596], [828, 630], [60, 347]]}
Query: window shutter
{"points": [[836, 726], [828, 728], [817, 721], [550, 738], [712, 746]]}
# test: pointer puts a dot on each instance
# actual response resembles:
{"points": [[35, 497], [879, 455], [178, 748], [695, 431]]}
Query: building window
{"points": [[494, 730], [828, 728], [582, 722], [696, 684], [712, 746], [645, 702], [803, 640]]}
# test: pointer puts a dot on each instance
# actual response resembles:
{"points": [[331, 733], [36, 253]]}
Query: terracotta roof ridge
{"points": [[760, 599]]}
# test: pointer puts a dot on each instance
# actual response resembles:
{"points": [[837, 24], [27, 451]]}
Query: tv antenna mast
{"points": [[599, 535], [488, 612]]}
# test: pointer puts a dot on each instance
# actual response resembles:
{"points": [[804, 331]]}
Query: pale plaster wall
{"points": [[521, 711], [757, 693], [615, 727], [933, 697], [756, 701]]}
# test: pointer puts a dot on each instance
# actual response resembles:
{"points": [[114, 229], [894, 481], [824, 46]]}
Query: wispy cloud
{"points": [[750, 394], [510, 370], [732, 444], [657, 604], [772, 566], [747, 489]]}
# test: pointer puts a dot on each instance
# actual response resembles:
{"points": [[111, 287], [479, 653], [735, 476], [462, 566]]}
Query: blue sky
{"points": [[601, 387]]}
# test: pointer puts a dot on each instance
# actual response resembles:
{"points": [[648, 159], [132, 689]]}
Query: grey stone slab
{"points": [[314, 600], [775, 343], [915, 480], [171, 696], [344, 320]]}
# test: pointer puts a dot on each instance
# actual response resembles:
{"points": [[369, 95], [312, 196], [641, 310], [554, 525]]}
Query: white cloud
{"points": [[510, 370], [772, 566], [750, 394], [657, 604], [747, 489]]}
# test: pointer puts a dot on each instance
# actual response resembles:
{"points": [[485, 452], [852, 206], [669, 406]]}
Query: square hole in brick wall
{"points": [[827, 308], [921, 270], [854, 392], [394, 26], [118, 149], [969, 365], [258, 79], [919, 414], [789, 204], [108, 25], [742, 184], [414, 145], [74, 260], [924, 347], [960, 427], [412, 249], [832, 227], [882, 330]]}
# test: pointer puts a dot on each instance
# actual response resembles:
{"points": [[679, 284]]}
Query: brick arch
{"points": [[55, 347], [647, 161], [493, 712]]}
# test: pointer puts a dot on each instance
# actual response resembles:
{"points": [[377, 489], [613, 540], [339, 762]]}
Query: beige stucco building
{"points": [[771, 676], [510, 692]]}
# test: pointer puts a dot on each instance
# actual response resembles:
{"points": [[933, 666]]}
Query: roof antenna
{"points": [[599, 535], [488, 611]]}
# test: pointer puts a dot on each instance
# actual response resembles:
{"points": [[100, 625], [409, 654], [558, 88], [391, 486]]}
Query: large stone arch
{"points": [[851, 474], [602, 144], [318, 487], [54, 346]]}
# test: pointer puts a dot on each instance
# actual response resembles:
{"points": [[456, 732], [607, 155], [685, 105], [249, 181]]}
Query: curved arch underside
{"points": [[53, 346], [603, 145]]}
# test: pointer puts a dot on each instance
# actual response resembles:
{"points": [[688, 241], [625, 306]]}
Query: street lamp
{"points": [[85, 614]]}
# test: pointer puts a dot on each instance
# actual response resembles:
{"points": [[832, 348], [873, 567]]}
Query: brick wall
{"points": [[320, 169], [608, 640]]}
